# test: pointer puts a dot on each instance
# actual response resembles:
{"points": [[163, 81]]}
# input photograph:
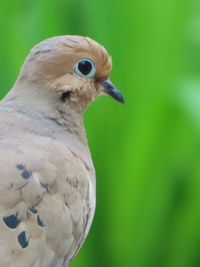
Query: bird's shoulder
{"points": [[33, 151]]}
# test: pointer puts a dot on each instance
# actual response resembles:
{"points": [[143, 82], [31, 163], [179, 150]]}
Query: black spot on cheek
{"points": [[26, 174], [11, 221], [22, 239], [33, 210], [65, 96], [40, 222]]}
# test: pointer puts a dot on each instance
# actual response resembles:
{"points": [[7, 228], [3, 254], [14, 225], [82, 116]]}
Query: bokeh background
{"points": [[146, 152]]}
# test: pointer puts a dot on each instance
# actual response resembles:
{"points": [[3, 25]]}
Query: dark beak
{"points": [[111, 90]]}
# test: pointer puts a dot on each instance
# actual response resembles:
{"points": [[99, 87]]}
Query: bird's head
{"points": [[74, 69]]}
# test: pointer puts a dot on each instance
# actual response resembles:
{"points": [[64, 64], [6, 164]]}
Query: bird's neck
{"points": [[39, 104]]}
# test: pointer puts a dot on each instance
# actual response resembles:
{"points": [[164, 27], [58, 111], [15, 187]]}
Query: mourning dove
{"points": [[47, 184]]}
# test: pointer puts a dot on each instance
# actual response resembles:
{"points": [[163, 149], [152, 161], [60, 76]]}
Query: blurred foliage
{"points": [[147, 152]]}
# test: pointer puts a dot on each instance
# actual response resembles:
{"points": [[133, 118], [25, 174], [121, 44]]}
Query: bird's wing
{"points": [[44, 207]]}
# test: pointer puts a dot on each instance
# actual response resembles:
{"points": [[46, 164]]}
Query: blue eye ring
{"points": [[85, 67]]}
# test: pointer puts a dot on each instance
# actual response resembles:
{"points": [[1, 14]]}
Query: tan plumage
{"points": [[47, 178]]}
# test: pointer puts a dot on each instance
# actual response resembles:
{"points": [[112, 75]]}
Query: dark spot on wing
{"points": [[20, 166], [40, 222], [33, 210], [22, 239], [26, 174], [44, 185], [11, 221]]}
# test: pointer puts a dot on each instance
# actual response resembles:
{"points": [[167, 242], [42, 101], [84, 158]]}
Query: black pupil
{"points": [[84, 67]]}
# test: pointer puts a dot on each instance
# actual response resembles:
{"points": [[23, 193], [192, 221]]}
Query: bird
{"points": [[47, 177]]}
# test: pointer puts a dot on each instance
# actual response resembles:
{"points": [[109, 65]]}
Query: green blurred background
{"points": [[147, 152]]}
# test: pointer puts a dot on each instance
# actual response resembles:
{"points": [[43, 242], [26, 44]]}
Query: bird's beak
{"points": [[111, 90]]}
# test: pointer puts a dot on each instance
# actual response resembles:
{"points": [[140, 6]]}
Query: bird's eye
{"points": [[85, 67]]}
